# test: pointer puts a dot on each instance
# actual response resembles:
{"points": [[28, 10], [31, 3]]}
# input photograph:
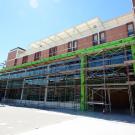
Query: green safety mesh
{"points": [[90, 50]]}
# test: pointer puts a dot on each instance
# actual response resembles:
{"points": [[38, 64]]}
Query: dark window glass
{"points": [[130, 28], [52, 51], [72, 46], [37, 56], [102, 37], [15, 62], [95, 39], [25, 59]]}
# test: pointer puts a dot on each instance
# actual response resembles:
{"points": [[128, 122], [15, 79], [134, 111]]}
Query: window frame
{"points": [[95, 42], [37, 56], [100, 37], [72, 46], [15, 62], [53, 51], [130, 33], [24, 59]]}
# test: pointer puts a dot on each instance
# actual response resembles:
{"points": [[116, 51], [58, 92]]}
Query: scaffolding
{"points": [[85, 82], [110, 78]]}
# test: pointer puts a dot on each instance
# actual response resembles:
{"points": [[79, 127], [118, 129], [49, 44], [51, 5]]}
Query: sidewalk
{"points": [[30, 121]]}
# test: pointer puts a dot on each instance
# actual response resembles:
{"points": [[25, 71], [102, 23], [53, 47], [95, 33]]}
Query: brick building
{"points": [[90, 66], [82, 36]]}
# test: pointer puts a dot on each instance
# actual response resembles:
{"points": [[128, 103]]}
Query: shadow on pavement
{"points": [[126, 118]]}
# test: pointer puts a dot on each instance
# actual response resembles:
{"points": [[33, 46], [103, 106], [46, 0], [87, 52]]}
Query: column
{"points": [[46, 89], [22, 89], [83, 102], [133, 55]]}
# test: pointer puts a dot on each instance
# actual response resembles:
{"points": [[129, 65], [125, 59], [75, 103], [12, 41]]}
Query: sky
{"points": [[25, 21]]}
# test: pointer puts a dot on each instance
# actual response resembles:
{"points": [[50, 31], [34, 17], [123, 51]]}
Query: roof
{"points": [[85, 29], [17, 49]]}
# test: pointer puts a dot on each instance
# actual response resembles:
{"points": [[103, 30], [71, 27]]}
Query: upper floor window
{"points": [[37, 56], [52, 51], [72, 46], [130, 28], [102, 37], [25, 59], [15, 62], [95, 39]]}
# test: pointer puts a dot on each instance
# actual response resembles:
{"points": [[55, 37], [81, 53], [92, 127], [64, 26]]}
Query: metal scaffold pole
{"points": [[46, 88], [129, 85], [133, 55], [5, 94], [83, 102], [22, 89]]}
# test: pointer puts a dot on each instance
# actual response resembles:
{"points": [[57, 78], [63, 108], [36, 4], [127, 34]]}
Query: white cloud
{"points": [[34, 3]]}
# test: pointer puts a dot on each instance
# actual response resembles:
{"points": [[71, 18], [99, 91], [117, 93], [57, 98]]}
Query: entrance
{"points": [[120, 101]]}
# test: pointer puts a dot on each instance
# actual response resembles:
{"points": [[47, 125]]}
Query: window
{"points": [[52, 51], [25, 59], [72, 46], [15, 62], [37, 56], [102, 37], [95, 39], [130, 28]]}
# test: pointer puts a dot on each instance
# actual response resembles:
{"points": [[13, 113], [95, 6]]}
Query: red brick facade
{"points": [[116, 33], [10, 63], [45, 54], [62, 49], [31, 57], [12, 55], [85, 42], [111, 35]]}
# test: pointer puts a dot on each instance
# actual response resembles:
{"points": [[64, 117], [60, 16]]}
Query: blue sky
{"points": [[25, 21]]}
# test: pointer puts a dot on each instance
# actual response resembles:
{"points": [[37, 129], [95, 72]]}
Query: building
{"points": [[89, 67]]}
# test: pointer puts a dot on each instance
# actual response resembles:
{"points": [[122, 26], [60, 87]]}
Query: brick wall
{"points": [[10, 63], [85, 42], [45, 54], [31, 57], [62, 49], [116, 33], [11, 58], [111, 35], [19, 61], [12, 55]]}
